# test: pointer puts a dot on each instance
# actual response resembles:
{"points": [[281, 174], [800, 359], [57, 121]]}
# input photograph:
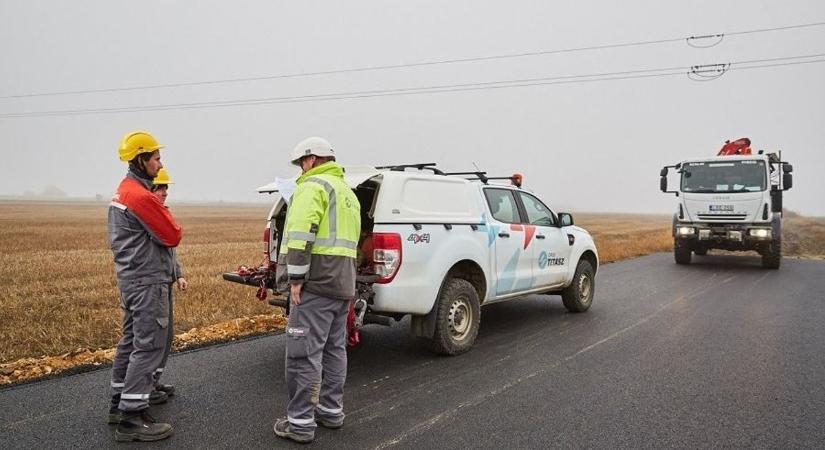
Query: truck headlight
{"points": [[761, 233], [685, 231], [735, 235]]}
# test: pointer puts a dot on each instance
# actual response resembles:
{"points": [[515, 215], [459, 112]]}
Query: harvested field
{"points": [[59, 303], [57, 277]]}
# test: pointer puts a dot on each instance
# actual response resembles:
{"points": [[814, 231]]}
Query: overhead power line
{"points": [[691, 40], [498, 84]]}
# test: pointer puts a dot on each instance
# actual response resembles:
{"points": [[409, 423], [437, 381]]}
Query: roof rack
{"points": [[516, 178], [477, 175], [419, 166]]}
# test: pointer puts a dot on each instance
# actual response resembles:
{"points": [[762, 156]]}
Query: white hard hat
{"points": [[312, 146]]}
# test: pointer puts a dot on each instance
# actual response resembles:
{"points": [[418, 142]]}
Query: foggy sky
{"points": [[583, 147]]}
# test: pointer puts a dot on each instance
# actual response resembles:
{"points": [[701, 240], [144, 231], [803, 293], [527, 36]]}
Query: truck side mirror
{"points": [[787, 181], [663, 172], [565, 220], [787, 168], [663, 183]]}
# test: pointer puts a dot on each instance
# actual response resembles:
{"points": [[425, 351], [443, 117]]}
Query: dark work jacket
{"points": [[142, 234]]}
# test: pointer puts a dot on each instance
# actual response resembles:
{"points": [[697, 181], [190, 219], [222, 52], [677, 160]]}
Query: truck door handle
{"points": [[540, 236], [504, 235]]}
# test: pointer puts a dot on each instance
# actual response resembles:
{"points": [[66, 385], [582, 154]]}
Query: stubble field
{"points": [[58, 292]]}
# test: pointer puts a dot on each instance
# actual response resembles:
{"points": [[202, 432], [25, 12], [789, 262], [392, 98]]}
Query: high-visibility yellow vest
{"points": [[323, 211]]}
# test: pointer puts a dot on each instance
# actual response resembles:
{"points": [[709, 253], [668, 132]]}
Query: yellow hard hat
{"points": [[135, 143], [162, 178]]}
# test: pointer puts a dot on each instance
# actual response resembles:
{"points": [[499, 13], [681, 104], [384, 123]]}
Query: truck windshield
{"points": [[724, 176]]}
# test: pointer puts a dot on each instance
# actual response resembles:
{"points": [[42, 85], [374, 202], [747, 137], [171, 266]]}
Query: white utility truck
{"points": [[438, 246], [732, 201]]}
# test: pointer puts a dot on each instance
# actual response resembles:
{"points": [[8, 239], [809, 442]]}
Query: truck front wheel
{"points": [[458, 318], [773, 255], [681, 252], [579, 295]]}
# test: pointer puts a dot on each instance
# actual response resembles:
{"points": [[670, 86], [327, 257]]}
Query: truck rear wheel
{"points": [[681, 252], [458, 318], [579, 295], [772, 257]]}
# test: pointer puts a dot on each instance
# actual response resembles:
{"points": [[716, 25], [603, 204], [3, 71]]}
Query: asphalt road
{"points": [[717, 354]]}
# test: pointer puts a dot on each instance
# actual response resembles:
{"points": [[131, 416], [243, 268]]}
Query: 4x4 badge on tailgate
{"points": [[416, 238]]}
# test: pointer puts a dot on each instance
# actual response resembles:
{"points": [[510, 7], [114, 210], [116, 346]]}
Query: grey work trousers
{"points": [[316, 361], [140, 351], [170, 335]]}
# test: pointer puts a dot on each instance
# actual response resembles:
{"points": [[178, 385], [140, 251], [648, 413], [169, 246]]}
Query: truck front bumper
{"points": [[733, 236]]}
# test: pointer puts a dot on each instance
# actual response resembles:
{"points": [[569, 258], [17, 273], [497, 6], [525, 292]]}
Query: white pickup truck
{"points": [[439, 246]]}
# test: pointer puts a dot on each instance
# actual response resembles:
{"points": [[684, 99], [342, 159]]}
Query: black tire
{"points": [[700, 251], [458, 318], [579, 295], [681, 252], [772, 257]]}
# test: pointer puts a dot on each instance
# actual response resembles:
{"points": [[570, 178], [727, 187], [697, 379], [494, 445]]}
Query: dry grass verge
{"points": [[622, 236]]}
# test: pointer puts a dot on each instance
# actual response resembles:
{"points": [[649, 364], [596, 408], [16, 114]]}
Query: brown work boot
{"points": [[281, 429], [140, 426]]}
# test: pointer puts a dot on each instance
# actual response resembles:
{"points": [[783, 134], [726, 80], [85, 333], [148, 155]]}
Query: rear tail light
{"points": [[386, 255]]}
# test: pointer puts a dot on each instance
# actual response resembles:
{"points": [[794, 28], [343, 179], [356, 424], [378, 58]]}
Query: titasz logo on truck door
{"points": [[547, 260], [416, 238]]}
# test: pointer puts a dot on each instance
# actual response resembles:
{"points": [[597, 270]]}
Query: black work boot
{"points": [[140, 426], [158, 397], [168, 389], [115, 414]]}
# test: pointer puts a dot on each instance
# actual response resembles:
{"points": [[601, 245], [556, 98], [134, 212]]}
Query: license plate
{"points": [[721, 208]]}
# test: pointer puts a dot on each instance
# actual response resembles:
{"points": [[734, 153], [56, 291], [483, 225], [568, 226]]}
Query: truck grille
{"points": [[722, 216]]}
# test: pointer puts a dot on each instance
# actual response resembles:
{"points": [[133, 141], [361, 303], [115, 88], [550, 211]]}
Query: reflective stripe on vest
{"points": [[301, 236]]}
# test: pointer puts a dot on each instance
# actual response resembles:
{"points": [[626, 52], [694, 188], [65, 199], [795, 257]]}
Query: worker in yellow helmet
{"points": [[160, 187], [142, 235]]}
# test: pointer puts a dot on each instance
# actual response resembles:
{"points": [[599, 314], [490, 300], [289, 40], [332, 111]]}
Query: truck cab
{"points": [[439, 246], [731, 202]]}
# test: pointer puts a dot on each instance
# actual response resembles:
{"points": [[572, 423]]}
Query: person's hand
{"points": [[295, 293], [182, 283]]}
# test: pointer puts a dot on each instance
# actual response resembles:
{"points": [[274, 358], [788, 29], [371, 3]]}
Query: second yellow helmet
{"points": [[162, 178]]}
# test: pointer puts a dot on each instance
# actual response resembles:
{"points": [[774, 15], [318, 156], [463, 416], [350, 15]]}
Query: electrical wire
{"points": [[500, 84], [358, 94], [409, 65]]}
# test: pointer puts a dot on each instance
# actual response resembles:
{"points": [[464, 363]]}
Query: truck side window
{"points": [[537, 213], [502, 205]]}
